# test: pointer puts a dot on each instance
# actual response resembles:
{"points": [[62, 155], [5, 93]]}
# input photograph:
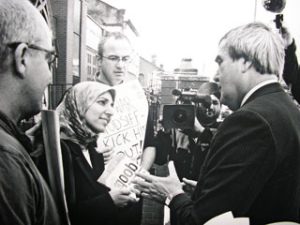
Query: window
{"points": [[76, 56]]}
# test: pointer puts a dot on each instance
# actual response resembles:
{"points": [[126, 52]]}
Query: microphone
{"points": [[275, 6]]}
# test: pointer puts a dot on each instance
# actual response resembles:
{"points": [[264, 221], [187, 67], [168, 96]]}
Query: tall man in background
{"points": [[115, 55], [26, 55], [253, 165]]}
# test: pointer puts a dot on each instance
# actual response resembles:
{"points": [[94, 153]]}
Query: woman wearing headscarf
{"points": [[84, 112]]}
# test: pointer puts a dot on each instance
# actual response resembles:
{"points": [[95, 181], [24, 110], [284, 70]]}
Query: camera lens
{"points": [[180, 116]]}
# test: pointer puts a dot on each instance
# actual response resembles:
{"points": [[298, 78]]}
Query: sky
{"points": [[176, 29]]}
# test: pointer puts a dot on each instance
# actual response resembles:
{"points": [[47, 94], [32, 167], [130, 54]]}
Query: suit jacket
{"points": [[88, 201], [253, 166]]}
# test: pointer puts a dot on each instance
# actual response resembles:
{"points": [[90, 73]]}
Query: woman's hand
{"points": [[121, 197], [158, 188]]}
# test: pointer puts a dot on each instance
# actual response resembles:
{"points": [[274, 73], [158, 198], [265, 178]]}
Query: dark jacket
{"points": [[25, 197], [253, 166], [291, 72], [88, 201]]}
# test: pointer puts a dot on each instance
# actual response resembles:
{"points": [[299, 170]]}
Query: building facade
{"points": [[78, 26]]}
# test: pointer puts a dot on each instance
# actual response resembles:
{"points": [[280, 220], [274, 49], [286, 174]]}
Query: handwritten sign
{"points": [[126, 130], [120, 172]]}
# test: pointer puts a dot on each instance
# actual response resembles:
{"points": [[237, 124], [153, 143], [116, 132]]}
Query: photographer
{"points": [[291, 72], [187, 147]]}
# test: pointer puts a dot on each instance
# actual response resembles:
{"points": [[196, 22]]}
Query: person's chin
{"points": [[118, 80], [99, 130]]}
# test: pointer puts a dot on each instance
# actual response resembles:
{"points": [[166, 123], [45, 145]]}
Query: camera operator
{"points": [[188, 147]]}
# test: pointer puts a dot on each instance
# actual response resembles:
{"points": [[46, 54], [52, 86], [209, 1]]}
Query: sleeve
{"points": [[100, 208], [163, 147], [236, 168], [17, 190], [291, 72], [149, 136], [206, 136]]}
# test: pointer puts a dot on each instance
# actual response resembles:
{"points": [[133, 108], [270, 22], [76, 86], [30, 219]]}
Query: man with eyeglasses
{"points": [[115, 53], [51, 54], [26, 55], [114, 56]]}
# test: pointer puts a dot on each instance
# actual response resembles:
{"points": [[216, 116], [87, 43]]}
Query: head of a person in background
{"points": [[115, 56], [85, 111], [248, 55], [26, 57], [211, 89]]}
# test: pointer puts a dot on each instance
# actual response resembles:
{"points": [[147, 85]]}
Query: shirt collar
{"points": [[12, 129], [255, 88]]}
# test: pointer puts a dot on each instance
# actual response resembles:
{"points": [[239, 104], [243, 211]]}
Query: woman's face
{"points": [[99, 113]]}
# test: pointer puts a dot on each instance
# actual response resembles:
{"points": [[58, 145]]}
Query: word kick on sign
{"points": [[130, 136]]}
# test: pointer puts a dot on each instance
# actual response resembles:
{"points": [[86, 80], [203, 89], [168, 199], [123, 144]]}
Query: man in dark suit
{"points": [[253, 165]]}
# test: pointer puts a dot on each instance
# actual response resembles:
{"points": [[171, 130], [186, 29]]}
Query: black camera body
{"points": [[179, 116], [278, 21], [275, 6], [189, 104]]}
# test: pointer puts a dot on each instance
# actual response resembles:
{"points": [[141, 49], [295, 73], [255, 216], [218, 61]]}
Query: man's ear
{"points": [[21, 59], [246, 65], [97, 75]]}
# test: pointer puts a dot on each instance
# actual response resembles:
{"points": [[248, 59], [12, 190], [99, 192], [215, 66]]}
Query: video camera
{"points": [[191, 103], [186, 96]]}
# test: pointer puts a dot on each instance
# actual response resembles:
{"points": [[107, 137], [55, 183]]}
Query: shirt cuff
{"points": [[171, 196]]}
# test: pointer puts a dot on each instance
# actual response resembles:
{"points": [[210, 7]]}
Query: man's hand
{"points": [[33, 131], [189, 185], [286, 35], [158, 188], [197, 126]]}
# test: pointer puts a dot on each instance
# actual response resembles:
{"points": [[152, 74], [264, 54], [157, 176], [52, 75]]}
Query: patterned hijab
{"points": [[73, 107]]}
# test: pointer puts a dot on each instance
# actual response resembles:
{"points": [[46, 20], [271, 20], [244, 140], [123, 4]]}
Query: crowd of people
{"points": [[250, 165]]}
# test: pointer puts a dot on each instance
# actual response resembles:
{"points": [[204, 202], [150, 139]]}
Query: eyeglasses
{"points": [[52, 56], [116, 59]]}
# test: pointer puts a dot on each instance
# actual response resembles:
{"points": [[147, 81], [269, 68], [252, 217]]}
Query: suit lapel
{"points": [[84, 166]]}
